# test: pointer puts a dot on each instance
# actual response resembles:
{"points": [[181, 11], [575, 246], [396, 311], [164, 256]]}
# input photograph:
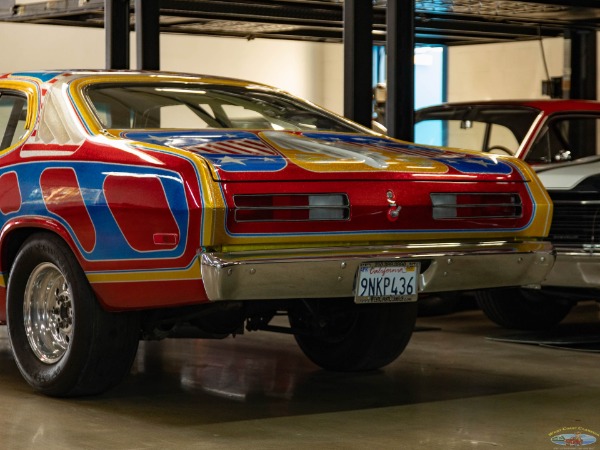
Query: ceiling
{"points": [[448, 22]]}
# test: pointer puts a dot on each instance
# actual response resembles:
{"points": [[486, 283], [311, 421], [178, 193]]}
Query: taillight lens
{"points": [[291, 207], [476, 205]]}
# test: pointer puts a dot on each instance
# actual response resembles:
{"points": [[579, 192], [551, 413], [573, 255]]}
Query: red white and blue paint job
{"points": [[142, 201]]}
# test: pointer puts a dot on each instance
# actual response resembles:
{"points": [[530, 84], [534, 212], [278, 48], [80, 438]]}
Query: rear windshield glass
{"points": [[200, 106]]}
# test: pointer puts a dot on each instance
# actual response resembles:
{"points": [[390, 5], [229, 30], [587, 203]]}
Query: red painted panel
{"points": [[140, 207], [10, 194], [370, 207], [157, 294], [62, 196]]}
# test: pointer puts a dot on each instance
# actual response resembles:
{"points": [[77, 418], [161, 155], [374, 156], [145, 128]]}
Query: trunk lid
{"points": [[239, 155]]}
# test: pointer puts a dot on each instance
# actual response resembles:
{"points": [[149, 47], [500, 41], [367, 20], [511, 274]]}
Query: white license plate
{"points": [[386, 282]]}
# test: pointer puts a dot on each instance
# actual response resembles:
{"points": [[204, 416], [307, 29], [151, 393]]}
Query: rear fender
{"points": [[13, 235]]}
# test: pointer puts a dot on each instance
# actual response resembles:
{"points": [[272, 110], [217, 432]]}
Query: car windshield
{"points": [[200, 106], [494, 129]]}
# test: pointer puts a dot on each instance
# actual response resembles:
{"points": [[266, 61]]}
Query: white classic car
{"points": [[575, 233]]}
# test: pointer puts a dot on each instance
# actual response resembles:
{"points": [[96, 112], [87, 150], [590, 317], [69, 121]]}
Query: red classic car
{"points": [[135, 205], [536, 131]]}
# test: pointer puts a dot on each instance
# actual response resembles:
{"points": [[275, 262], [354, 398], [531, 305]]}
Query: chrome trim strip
{"points": [[475, 205], [330, 272], [576, 202], [345, 210]]}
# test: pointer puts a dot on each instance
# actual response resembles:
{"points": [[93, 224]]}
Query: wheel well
{"points": [[12, 242]]}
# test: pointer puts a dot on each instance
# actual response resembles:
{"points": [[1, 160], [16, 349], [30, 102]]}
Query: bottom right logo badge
{"points": [[574, 437]]}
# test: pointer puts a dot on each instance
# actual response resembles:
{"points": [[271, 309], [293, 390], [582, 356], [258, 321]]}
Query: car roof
{"points": [[56, 76], [546, 105]]}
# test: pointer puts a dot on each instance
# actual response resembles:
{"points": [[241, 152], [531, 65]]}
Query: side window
{"points": [[566, 139], [13, 117]]}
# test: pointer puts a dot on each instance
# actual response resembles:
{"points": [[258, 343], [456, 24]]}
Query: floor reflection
{"points": [[180, 390]]}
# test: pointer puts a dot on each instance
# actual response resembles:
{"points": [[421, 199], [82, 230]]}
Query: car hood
{"points": [[235, 155], [565, 176]]}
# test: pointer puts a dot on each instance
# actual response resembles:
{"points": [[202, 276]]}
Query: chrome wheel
{"points": [[48, 313], [64, 343]]}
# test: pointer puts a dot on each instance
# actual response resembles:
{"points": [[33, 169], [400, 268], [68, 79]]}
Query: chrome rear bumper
{"points": [[575, 269], [330, 272]]}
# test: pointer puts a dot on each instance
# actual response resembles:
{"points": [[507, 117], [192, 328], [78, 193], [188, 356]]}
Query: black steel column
{"points": [[147, 29], [116, 28], [358, 61], [400, 44], [583, 64]]}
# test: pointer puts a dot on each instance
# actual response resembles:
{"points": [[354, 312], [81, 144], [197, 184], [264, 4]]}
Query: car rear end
{"points": [[445, 220]]}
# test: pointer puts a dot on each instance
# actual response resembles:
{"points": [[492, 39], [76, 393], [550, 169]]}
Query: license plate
{"points": [[386, 282]]}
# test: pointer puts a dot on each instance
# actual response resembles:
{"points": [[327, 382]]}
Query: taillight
{"points": [[476, 205], [291, 207]]}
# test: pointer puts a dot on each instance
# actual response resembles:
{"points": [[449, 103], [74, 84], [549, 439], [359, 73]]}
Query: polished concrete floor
{"points": [[453, 388]]}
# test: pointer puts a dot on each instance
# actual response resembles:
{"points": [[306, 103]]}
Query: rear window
{"points": [[199, 106]]}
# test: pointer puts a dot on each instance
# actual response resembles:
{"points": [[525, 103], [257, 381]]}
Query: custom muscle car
{"points": [[135, 205]]}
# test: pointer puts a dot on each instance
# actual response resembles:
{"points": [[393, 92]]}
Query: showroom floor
{"points": [[453, 388]]}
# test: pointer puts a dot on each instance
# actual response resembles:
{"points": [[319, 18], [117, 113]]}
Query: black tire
{"points": [[438, 304], [343, 336], [523, 309], [64, 343]]}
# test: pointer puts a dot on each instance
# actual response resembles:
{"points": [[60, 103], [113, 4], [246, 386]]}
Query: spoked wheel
{"points": [[48, 313], [342, 336], [523, 309], [64, 343]]}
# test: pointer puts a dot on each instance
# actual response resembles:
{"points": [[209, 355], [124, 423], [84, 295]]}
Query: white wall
{"points": [[306, 69], [310, 70], [37, 47], [502, 71]]}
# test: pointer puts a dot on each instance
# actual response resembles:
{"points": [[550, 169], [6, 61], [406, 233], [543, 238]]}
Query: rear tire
{"points": [[522, 309], [342, 336], [64, 343]]}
